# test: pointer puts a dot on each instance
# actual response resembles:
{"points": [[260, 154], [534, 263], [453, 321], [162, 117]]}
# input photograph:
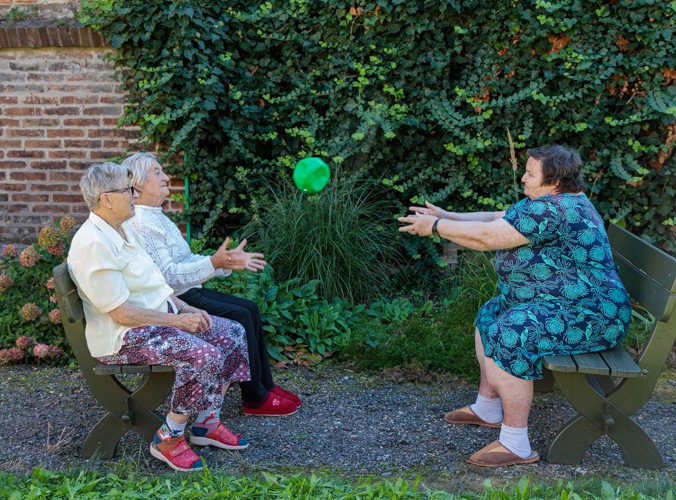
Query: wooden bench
{"points": [[127, 409], [607, 388]]}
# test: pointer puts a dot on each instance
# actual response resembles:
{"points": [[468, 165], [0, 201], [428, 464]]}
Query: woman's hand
{"points": [[193, 320], [430, 209], [237, 259], [420, 225]]}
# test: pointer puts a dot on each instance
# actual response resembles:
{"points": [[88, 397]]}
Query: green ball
{"points": [[311, 175]]}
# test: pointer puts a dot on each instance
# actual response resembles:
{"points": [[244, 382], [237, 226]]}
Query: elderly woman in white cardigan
{"points": [[185, 272]]}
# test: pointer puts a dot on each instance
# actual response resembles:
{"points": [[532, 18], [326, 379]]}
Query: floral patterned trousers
{"points": [[204, 362]]}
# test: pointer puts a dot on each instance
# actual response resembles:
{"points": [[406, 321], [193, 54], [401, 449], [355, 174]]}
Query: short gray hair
{"points": [[139, 165], [99, 179]]}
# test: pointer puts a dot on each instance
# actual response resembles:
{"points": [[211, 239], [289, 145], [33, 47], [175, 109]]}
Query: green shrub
{"points": [[30, 322], [340, 238], [439, 339], [416, 95], [298, 325]]}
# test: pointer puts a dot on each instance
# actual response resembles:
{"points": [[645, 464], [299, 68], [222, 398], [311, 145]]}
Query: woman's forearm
{"points": [[474, 216]]}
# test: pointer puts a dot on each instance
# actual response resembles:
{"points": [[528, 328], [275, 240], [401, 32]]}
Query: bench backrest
{"points": [[648, 273], [73, 318]]}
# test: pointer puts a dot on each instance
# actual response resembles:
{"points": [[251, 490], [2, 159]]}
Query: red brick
{"points": [[104, 132], [6, 122], [81, 122], [41, 122], [28, 198], [52, 188], [70, 99], [62, 111], [113, 99], [46, 144], [8, 100], [25, 132], [48, 165], [25, 154], [65, 176], [27, 176], [27, 111], [67, 198], [104, 110], [110, 122], [84, 144], [67, 154], [50, 209], [12, 187], [45, 77], [12, 164], [104, 155], [66, 132], [115, 144], [15, 208], [7, 143], [39, 99]]}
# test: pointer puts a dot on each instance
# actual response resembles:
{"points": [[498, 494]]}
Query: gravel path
{"points": [[351, 424]]}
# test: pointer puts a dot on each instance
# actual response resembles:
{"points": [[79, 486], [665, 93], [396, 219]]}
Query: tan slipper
{"points": [[467, 416], [496, 455]]}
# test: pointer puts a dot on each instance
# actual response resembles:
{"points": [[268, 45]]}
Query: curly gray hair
{"points": [[101, 178]]}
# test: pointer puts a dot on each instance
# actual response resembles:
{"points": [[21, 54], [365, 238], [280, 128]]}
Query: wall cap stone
{"points": [[39, 33]]}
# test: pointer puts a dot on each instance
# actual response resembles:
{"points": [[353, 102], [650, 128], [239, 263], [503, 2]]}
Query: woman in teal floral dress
{"points": [[559, 293]]}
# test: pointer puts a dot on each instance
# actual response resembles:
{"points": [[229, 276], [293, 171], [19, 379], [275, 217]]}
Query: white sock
{"points": [[175, 428], [488, 410], [515, 439]]}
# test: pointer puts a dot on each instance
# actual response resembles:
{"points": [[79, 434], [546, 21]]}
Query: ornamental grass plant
{"points": [[342, 237]]}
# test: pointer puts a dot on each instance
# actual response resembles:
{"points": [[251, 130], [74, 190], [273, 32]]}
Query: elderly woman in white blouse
{"points": [[185, 272]]}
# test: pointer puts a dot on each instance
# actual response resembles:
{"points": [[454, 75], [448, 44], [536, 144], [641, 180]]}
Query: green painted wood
{"points": [[643, 289], [591, 363], [653, 261], [620, 363], [559, 363]]}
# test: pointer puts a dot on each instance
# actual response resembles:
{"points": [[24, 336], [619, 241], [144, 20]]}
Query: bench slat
{"points": [[654, 262], [559, 363], [620, 363], [591, 363], [127, 369]]}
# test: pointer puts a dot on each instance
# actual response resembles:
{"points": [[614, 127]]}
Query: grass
{"points": [[45, 484]]}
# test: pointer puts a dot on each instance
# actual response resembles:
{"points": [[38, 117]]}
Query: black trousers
{"points": [[246, 313]]}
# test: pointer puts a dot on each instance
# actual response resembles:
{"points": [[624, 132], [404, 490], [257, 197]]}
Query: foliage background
{"points": [[415, 95]]}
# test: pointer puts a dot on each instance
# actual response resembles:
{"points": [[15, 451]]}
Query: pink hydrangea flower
{"points": [[5, 282], [30, 312], [10, 250], [55, 316], [23, 342], [57, 249], [15, 354], [55, 351], [53, 299], [67, 223], [50, 283], [29, 257], [41, 351], [4, 357]]}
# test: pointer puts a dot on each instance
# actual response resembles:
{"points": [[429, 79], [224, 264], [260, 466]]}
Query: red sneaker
{"points": [[286, 394], [216, 434], [273, 406], [175, 452]]}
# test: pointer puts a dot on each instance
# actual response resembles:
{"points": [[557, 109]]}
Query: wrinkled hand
{"points": [[237, 259], [430, 209], [193, 320], [420, 225]]}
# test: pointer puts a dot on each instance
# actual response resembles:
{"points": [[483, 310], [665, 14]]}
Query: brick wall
{"points": [[59, 108]]}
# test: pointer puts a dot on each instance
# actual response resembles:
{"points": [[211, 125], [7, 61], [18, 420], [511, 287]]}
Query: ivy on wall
{"points": [[415, 95]]}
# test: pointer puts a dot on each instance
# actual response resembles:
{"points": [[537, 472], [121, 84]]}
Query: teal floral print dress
{"points": [[558, 295]]}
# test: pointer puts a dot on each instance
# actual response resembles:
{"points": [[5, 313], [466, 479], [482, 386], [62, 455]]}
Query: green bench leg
{"points": [[599, 416], [127, 411]]}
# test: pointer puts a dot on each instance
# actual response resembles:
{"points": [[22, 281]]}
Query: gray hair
{"points": [[139, 165], [99, 179]]}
